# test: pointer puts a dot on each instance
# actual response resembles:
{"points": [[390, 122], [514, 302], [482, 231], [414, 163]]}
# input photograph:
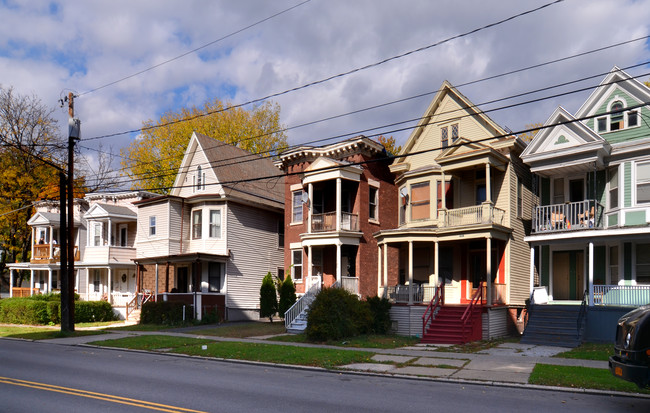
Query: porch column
{"points": [[310, 210], [49, 280], [488, 186], [309, 262], [532, 270], [155, 290], [109, 293], [338, 204], [109, 241], [436, 263], [410, 272], [338, 262], [378, 268], [488, 271], [51, 242], [34, 241], [591, 274], [11, 282], [87, 286], [31, 282], [385, 264], [443, 191]]}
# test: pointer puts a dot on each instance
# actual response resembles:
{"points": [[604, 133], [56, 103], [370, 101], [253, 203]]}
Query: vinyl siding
{"points": [[157, 245], [494, 323], [188, 189], [407, 320], [628, 134], [253, 244]]}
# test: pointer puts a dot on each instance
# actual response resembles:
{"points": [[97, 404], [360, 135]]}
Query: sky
{"points": [[255, 49]]}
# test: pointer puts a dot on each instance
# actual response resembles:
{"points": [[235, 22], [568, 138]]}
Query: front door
{"points": [[568, 275], [181, 279]]}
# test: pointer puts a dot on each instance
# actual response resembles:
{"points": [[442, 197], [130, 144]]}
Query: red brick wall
{"points": [[148, 276]]}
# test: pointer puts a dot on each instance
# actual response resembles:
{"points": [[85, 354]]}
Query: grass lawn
{"points": [[367, 341], [142, 327], [242, 330], [271, 353], [41, 333], [580, 377], [589, 351]]}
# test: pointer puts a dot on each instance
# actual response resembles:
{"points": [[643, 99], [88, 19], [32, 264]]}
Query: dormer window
{"points": [[618, 119]]}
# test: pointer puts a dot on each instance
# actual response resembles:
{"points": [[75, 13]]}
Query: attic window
{"points": [[444, 136], [454, 132], [616, 118], [199, 179]]}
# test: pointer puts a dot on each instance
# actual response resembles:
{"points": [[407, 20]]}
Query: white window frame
{"points": [[197, 234], [221, 267], [373, 203], [625, 114], [444, 137], [212, 224], [97, 234], [295, 266], [123, 242], [616, 169], [297, 215], [152, 226], [636, 181]]}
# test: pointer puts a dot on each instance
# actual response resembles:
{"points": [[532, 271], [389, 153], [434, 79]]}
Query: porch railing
{"points": [[471, 324], [327, 222], [623, 295], [121, 299], [400, 293], [350, 284], [436, 302], [479, 214], [571, 216], [302, 304], [42, 252]]}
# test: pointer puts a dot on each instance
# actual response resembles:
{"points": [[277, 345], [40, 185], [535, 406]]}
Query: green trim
{"points": [[612, 220], [635, 218], [627, 261], [627, 184]]}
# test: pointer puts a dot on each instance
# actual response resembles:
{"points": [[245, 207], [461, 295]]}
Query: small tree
{"points": [[268, 297], [287, 295]]}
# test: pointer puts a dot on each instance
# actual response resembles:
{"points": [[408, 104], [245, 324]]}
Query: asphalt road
{"points": [[43, 377]]}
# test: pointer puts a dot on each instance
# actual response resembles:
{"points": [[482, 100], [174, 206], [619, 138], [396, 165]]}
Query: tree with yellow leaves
{"points": [[152, 160]]}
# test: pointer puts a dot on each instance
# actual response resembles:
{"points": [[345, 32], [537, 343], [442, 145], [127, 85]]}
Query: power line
{"points": [[317, 82], [194, 50]]}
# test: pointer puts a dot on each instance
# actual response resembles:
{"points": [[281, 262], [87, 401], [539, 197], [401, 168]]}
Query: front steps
{"points": [[447, 327], [298, 325], [553, 325]]}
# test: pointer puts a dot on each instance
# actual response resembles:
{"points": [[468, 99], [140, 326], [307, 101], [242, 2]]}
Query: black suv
{"points": [[631, 360]]}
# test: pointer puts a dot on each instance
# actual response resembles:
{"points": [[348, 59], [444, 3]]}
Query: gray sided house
{"points": [[590, 238], [210, 241]]}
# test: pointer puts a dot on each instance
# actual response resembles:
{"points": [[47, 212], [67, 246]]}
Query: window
{"points": [[520, 198], [444, 137], [215, 223], [454, 132], [481, 193], [296, 206], [296, 264], [97, 234], [199, 179], [96, 280], [632, 118], [643, 263], [403, 202], [197, 223], [613, 265], [124, 235], [616, 118], [281, 233], [643, 183], [152, 226], [215, 271], [613, 188], [420, 196], [280, 273], [373, 203], [601, 124]]}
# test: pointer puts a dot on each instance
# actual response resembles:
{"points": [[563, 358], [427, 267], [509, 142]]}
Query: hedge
{"points": [[164, 312], [47, 310]]}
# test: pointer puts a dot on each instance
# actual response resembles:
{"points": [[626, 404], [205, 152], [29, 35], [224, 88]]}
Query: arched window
{"points": [[616, 118]]}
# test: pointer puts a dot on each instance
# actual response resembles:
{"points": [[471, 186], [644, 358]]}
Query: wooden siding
{"points": [[641, 131], [188, 189], [206, 244], [627, 184], [407, 319], [495, 323], [108, 254], [175, 225], [156, 245], [252, 239]]}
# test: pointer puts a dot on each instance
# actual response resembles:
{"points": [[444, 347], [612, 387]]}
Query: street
{"points": [[37, 377]]}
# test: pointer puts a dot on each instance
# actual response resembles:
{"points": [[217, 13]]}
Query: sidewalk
{"points": [[507, 363]]}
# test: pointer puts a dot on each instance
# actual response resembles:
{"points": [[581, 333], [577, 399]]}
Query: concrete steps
{"points": [[553, 325]]}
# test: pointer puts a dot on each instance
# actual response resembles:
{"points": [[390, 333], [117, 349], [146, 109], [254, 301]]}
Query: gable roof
{"points": [[236, 170], [98, 211]]}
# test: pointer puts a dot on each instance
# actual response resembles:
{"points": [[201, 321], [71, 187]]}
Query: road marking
{"points": [[98, 396]]}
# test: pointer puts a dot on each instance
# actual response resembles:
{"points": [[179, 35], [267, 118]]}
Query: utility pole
{"points": [[67, 292]]}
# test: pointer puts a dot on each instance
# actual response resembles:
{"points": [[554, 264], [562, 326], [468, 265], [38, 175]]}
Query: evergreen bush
{"points": [[93, 311], [164, 312], [380, 310], [336, 314], [268, 297], [287, 296]]}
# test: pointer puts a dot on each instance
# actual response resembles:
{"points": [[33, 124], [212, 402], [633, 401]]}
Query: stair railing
{"points": [[299, 306], [469, 311], [434, 306], [131, 306], [582, 314]]}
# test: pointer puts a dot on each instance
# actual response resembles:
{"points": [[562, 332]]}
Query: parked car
{"points": [[631, 359]]}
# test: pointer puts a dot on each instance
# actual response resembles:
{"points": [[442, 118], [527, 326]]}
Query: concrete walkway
{"points": [[506, 363]]}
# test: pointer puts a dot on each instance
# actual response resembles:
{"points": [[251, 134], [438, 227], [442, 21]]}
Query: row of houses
{"points": [[468, 219]]}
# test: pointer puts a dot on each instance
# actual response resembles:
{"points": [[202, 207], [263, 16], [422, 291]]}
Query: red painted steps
{"points": [[447, 327]]}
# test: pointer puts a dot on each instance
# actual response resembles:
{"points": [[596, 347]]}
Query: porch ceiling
{"points": [[473, 159], [444, 234], [179, 258]]}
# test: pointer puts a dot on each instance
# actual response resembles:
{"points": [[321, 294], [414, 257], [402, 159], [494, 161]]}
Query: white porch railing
{"points": [[478, 214], [120, 299], [571, 216], [301, 305], [623, 295], [350, 284], [400, 293], [327, 222]]}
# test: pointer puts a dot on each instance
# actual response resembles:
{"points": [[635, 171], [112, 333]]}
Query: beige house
{"points": [[464, 208]]}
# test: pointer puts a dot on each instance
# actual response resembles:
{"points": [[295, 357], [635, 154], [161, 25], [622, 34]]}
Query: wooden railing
{"points": [[474, 215], [42, 253], [24, 291], [436, 302], [327, 222], [623, 295], [570, 216]]}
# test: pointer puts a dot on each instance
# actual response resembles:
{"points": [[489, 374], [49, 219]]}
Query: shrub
{"points": [[268, 298], [287, 295], [164, 312], [23, 311], [93, 311], [380, 310], [336, 314]]}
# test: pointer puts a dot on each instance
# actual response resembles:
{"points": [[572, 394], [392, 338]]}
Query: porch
{"points": [[49, 253], [423, 293], [569, 216], [473, 215], [328, 222]]}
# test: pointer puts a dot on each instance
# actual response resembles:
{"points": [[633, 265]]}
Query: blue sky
{"points": [[48, 48]]}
